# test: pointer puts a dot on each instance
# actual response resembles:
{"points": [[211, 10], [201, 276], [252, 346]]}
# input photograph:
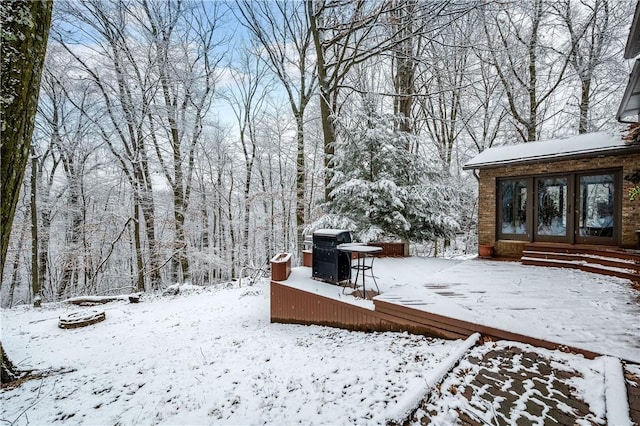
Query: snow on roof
{"points": [[557, 149]]}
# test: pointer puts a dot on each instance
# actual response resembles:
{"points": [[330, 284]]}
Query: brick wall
{"points": [[487, 195]]}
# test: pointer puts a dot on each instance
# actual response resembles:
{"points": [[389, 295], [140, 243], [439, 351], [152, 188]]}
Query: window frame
{"points": [[528, 211], [570, 196], [617, 208], [573, 233]]}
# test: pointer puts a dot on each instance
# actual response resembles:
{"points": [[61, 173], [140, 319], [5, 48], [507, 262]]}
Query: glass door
{"points": [[553, 203], [597, 218]]}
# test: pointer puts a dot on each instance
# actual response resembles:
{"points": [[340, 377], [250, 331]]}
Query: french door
{"points": [[598, 208], [578, 208], [553, 219]]}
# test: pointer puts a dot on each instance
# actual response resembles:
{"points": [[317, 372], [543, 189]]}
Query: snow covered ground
{"points": [[211, 356]]}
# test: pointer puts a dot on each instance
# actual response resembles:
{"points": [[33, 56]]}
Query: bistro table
{"points": [[362, 254]]}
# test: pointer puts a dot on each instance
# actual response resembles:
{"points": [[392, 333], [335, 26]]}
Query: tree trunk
{"points": [[22, 51], [72, 265], [585, 100], [300, 185], [9, 371], [13, 283], [232, 234], [277, 29], [326, 116], [145, 199], [35, 269], [403, 80], [45, 228], [180, 207], [138, 245], [244, 257]]}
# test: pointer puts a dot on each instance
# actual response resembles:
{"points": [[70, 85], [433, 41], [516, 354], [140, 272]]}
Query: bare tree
{"points": [[16, 254], [593, 27], [284, 34], [247, 98], [44, 171], [446, 73], [208, 210], [186, 66], [530, 70], [66, 127], [484, 103], [277, 171], [126, 90], [72, 238]]}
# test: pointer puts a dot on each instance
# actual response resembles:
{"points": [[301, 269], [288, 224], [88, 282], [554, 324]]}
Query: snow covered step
{"points": [[585, 257], [583, 250], [616, 271], [601, 260], [628, 265]]}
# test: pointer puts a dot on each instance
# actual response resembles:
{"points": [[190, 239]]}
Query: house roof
{"points": [[581, 146], [633, 41], [630, 104]]}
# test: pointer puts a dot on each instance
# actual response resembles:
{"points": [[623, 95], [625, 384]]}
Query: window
{"points": [[574, 208], [596, 205], [512, 213]]}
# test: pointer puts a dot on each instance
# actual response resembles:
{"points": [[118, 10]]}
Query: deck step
{"points": [[604, 251], [609, 261], [605, 261]]}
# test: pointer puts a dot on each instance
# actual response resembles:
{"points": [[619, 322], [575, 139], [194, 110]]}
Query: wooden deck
{"points": [[293, 305]]}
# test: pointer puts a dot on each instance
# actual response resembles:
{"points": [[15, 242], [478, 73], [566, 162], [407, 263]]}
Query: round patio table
{"points": [[365, 256]]}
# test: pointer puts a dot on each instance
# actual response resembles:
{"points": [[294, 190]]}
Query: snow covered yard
{"points": [[210, 356]]}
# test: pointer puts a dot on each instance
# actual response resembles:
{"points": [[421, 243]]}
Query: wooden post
{"points": [[307, 258], [281, 267]]}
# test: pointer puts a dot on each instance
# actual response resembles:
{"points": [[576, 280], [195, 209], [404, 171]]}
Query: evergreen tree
{"points": [[382, 191]]}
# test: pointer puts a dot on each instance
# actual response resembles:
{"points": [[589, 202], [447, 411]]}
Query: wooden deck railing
{"points": [[392, 249]]}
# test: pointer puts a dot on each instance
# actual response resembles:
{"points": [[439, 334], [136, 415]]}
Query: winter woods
{"points": [[183, 140]]}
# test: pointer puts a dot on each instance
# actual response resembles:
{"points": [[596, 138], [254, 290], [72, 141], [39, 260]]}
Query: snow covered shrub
{"points": [[380, 190]]}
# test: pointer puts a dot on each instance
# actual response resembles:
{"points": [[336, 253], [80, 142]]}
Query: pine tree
{"points": [[382, 191]]}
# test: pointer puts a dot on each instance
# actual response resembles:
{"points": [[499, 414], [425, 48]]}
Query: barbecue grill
{"points": [[329, 263]]}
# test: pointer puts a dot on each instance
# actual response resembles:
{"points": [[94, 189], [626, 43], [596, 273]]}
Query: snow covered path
{"points": [[208, 357], [510, 383]]}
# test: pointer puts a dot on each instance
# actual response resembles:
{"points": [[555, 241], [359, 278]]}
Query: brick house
{"points": [[565, 192], [569, 191]]}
